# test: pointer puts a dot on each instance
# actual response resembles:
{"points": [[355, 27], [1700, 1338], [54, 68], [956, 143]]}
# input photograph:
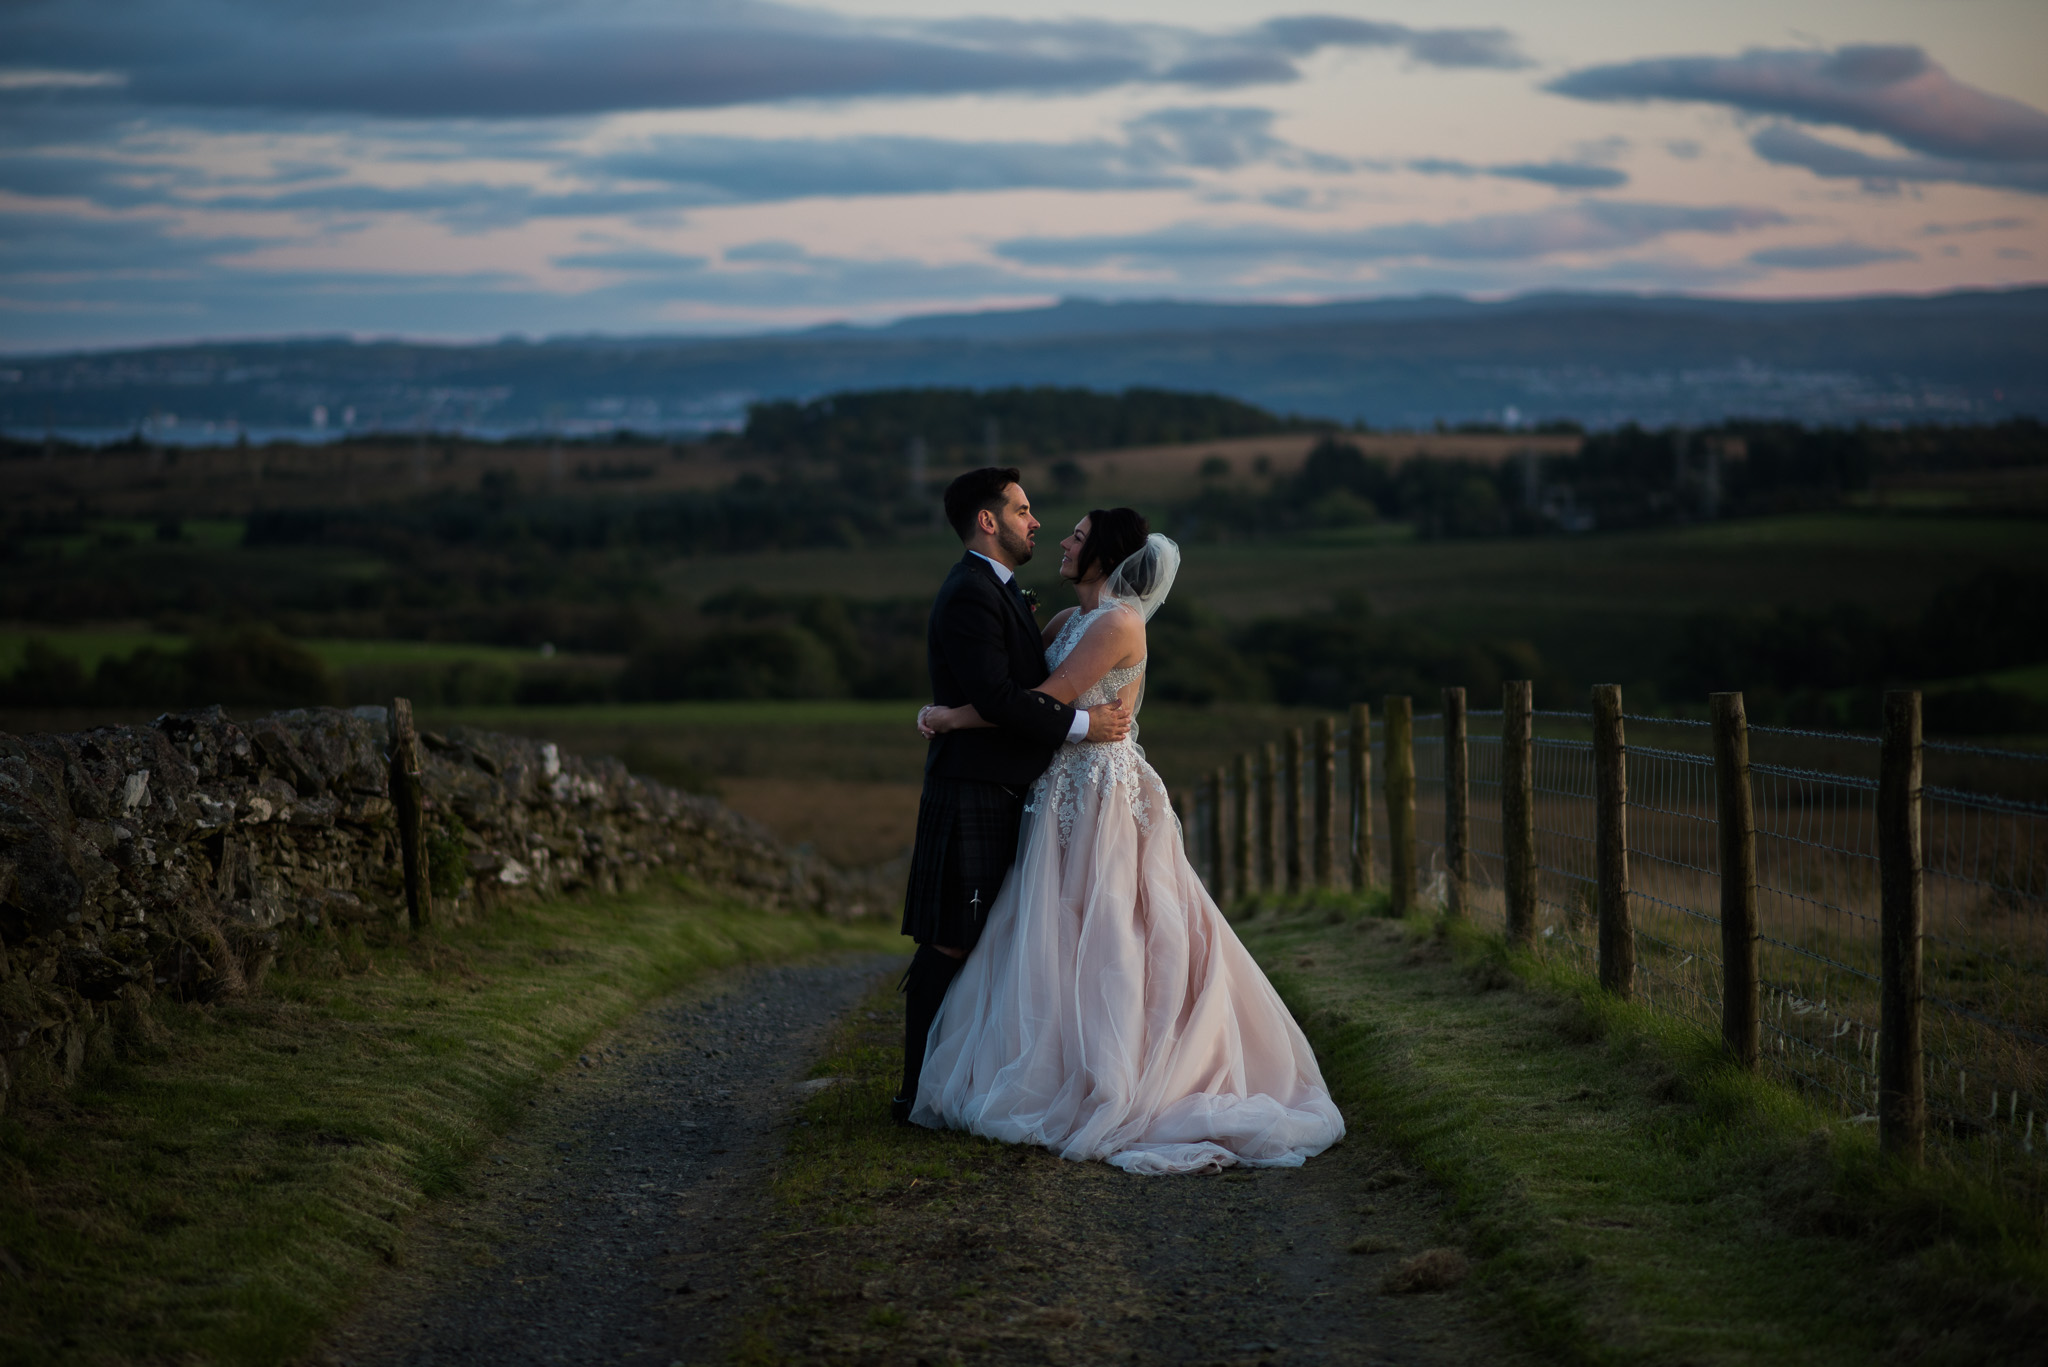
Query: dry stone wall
{"points": [[173, 859]]}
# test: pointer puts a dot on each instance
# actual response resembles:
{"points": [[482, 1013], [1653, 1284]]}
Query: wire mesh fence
{"points": [[1818, 897]]}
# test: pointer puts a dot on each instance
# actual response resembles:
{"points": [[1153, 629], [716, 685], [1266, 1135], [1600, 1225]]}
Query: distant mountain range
{"points": [[1598, 359]]}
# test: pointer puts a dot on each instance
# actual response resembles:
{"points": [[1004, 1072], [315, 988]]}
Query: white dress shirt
{"points": [[1078, 731]]}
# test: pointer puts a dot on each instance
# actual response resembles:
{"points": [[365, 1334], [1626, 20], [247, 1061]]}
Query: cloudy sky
{"points": [[175, 169]]}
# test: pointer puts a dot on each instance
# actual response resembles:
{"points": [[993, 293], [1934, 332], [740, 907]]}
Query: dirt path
{"points": [[573, 1238], [631, 1220], [940, 1248]]}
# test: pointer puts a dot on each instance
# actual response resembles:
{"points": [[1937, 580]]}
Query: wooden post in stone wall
{"points": [[1518, 809], [1610, 843], [1736, 818], [1901, 1079], [1241, 830], [1269, 819], [408, 801], [1290, 807], [1400, 783], [1457, 807], [1325, 860], [1359, 771]]}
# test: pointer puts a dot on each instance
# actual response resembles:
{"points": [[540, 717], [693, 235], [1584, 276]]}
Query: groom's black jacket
{"points": [[983, 648]]}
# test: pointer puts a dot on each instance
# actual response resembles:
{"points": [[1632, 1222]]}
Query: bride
{"points": [[1109, 1011]]}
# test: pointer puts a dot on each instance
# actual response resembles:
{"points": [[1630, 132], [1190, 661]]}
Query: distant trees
{"points": [[252, 665], [1790, 661], [1619, 479], [1028, 422], [818, 645]]}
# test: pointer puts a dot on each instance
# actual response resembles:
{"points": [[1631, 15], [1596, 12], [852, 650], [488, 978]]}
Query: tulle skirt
{"points": [[1109, 1011]]}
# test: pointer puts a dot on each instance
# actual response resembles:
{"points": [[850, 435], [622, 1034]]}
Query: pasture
{"points": [[1603, 607]]}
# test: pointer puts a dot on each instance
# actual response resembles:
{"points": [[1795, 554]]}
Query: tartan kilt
{"points": [[966, 842]]}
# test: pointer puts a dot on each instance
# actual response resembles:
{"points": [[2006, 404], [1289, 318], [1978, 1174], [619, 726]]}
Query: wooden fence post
{"points": [[1518, 809], [1736, 816], [408, 800], [1290, 808], [1457, 807], [1269, 819], [1219, 886], [1902, 1098], [1400, 739], [1610, 843], [1360, 773], [1241, 830], [1326, 803]]}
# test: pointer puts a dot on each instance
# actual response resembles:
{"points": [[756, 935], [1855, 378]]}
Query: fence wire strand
{"points": [[1985, 888]]}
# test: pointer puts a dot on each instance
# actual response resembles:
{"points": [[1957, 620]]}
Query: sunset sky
{"points": [[228, 168]]}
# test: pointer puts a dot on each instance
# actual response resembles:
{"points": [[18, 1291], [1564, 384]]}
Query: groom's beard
{"points": [[1015, 545]]}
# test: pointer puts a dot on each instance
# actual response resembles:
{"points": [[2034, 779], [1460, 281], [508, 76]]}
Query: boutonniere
{"points": [[1031, 600]]}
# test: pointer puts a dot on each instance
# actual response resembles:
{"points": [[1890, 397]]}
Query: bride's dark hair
{"points": [[1114, 535]]}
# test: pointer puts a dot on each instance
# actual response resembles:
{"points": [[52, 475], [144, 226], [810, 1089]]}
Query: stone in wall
{"points": [[173, 858]]}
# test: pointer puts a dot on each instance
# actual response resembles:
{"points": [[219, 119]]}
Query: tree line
{"points": [[1617, 480], [1794, 665]]}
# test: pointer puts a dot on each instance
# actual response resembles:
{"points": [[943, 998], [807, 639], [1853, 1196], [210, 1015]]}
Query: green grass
{"points": [[2028, 680], [894, 1244], [849, 1155], [90, 645], [695, 743], [340, 654], [1602, 606], [1630, 1197], [224, 1188], [116, 533], [821, 712]]}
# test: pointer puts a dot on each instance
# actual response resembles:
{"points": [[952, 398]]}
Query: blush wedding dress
{"points": [[1109, 1011]]}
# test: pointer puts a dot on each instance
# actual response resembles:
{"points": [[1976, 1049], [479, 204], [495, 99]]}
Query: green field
{"points": [[699, 743], [89, 646], [1599, 607]]}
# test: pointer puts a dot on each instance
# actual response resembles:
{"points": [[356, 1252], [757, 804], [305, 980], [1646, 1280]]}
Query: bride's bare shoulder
{"points": [[1122, 628]]}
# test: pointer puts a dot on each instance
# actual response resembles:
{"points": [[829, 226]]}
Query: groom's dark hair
{"points": [[977, 490], [1114, 535]]}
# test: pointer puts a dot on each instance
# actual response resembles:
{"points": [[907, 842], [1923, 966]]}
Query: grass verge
{"points": [[1629, 1196], [222, 1192]]}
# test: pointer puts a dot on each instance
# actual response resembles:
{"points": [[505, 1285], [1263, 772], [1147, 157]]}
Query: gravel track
{"points": [[627, 1221], [635, 1176]]}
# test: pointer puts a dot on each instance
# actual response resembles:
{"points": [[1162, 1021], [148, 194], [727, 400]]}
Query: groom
{"points": [[982, 647]]}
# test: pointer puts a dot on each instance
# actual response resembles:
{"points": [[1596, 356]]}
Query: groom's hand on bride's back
{"points": [[1110, 721]]}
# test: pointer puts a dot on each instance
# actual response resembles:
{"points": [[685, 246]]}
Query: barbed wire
{"points": [[1855, 736], [1815, 776], [1989, 801], [1949, 747]]}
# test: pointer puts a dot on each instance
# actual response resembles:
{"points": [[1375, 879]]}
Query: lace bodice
{"points": [[1110, 684], [1089, 766]]}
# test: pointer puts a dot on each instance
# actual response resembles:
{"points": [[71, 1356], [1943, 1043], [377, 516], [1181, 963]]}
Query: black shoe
{"points": [[899, 1110]]}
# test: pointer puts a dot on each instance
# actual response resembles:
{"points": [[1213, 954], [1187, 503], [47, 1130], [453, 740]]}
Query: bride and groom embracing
{"points": [[1074, 986]]}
